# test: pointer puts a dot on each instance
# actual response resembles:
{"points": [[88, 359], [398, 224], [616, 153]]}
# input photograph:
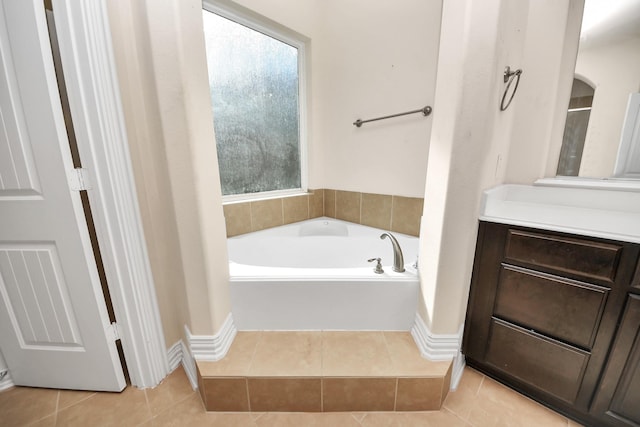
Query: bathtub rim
{"points": [[242, 272], [356, 274]]}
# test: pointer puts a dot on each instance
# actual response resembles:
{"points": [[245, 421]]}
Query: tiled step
{"points": [[323, 372]]}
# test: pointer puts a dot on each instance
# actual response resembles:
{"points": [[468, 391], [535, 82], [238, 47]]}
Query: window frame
{"points": [[256, 22]]}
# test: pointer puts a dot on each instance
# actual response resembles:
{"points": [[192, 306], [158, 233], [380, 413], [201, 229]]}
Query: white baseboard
{"points": [[457, 370], [179, 354], [6, 381], [201, 347], [439, 347], [175, 355], [212, 347], [432, 346], [189, 366]]}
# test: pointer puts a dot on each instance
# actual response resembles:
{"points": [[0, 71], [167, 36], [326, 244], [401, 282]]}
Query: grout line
{"points": [[251, 216], [55, 414], [359, 421], [246, 382], [255, 350], [79, 401], [386, 346], [258, 417], [146, 399], [395, 397], [480, 386], [391, 216], [455, 414], [324, 210], [321, 394], [322, 371], [282, 211]]}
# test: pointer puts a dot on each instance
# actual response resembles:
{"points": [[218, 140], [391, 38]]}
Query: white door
{"points": [[54, 327]]}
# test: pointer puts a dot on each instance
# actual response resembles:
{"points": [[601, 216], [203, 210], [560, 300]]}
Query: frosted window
{"points": [[253, 81]]}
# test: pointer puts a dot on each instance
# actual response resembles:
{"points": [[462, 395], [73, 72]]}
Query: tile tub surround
{"points": [[395, 213], [315, 371], [246, 217]]}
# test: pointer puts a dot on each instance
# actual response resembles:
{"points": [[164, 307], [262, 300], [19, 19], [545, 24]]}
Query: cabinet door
{"points": [[617, 400]]}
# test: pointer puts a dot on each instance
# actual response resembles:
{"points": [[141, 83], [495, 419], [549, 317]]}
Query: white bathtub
{"points": [[314, 275]]}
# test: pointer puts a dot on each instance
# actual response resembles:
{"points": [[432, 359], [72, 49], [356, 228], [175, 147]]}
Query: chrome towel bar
{"points": [[425, 112]]}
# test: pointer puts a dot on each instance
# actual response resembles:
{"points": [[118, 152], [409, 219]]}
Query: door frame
{"points": [[86, 52]]}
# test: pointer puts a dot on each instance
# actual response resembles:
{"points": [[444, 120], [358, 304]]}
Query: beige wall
{"points": [[614, 71], [474, 145], [368, 59], [170, 131], [365, 60], [129, 30]]}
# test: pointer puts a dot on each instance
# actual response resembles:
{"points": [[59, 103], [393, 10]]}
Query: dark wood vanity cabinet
{"points": [[557, 317]]}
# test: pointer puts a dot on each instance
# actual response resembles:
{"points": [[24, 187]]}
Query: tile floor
{"points": [[478, 402]]}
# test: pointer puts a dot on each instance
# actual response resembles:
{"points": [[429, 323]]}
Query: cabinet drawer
{"points": [[564, 309], [585, 258], [551, 366]]}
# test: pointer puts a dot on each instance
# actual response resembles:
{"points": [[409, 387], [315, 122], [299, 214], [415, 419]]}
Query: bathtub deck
{"points": [[323, 372]]}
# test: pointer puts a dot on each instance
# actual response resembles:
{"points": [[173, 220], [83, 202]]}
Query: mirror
{"points": [[609, 63]]}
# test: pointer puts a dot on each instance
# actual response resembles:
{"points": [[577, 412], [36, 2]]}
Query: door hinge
{"points": [[79, 180], [115, 332]]}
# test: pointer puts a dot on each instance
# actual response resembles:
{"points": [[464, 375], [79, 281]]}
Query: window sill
{"points": [[267, 195]]}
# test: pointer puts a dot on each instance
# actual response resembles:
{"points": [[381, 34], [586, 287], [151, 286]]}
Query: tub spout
{"points": [[398, 259]]}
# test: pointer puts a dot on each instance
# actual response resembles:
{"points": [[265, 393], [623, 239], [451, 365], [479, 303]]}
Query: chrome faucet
{"points": [[398, 259]]}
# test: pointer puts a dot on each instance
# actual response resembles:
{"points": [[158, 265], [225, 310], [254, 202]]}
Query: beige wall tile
{"points": [[176, 387], [330, 203], [186, 413], [405, 215], [496, 404], [71, 397], [288, 354], [266, 214], [446, 383], [23, 405], [203, 395], [419, 394], [237, 217], [316, 203], [49, 421], [285, 394], [348, 206], [358, 394], [376, 211], [423, 419], [407, 360], [459, 401], [279, 419], [226, 394], [237, 360], [128, 408], [295, 208], [355, 354]]}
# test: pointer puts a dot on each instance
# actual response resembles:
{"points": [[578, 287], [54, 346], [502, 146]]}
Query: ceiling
{"points": [[606, 21]]}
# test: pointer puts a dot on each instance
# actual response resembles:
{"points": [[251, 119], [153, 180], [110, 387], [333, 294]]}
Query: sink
{"points": [[609, 214]]}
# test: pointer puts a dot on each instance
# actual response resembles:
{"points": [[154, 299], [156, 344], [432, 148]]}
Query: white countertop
{"points": [[609, 214]]}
